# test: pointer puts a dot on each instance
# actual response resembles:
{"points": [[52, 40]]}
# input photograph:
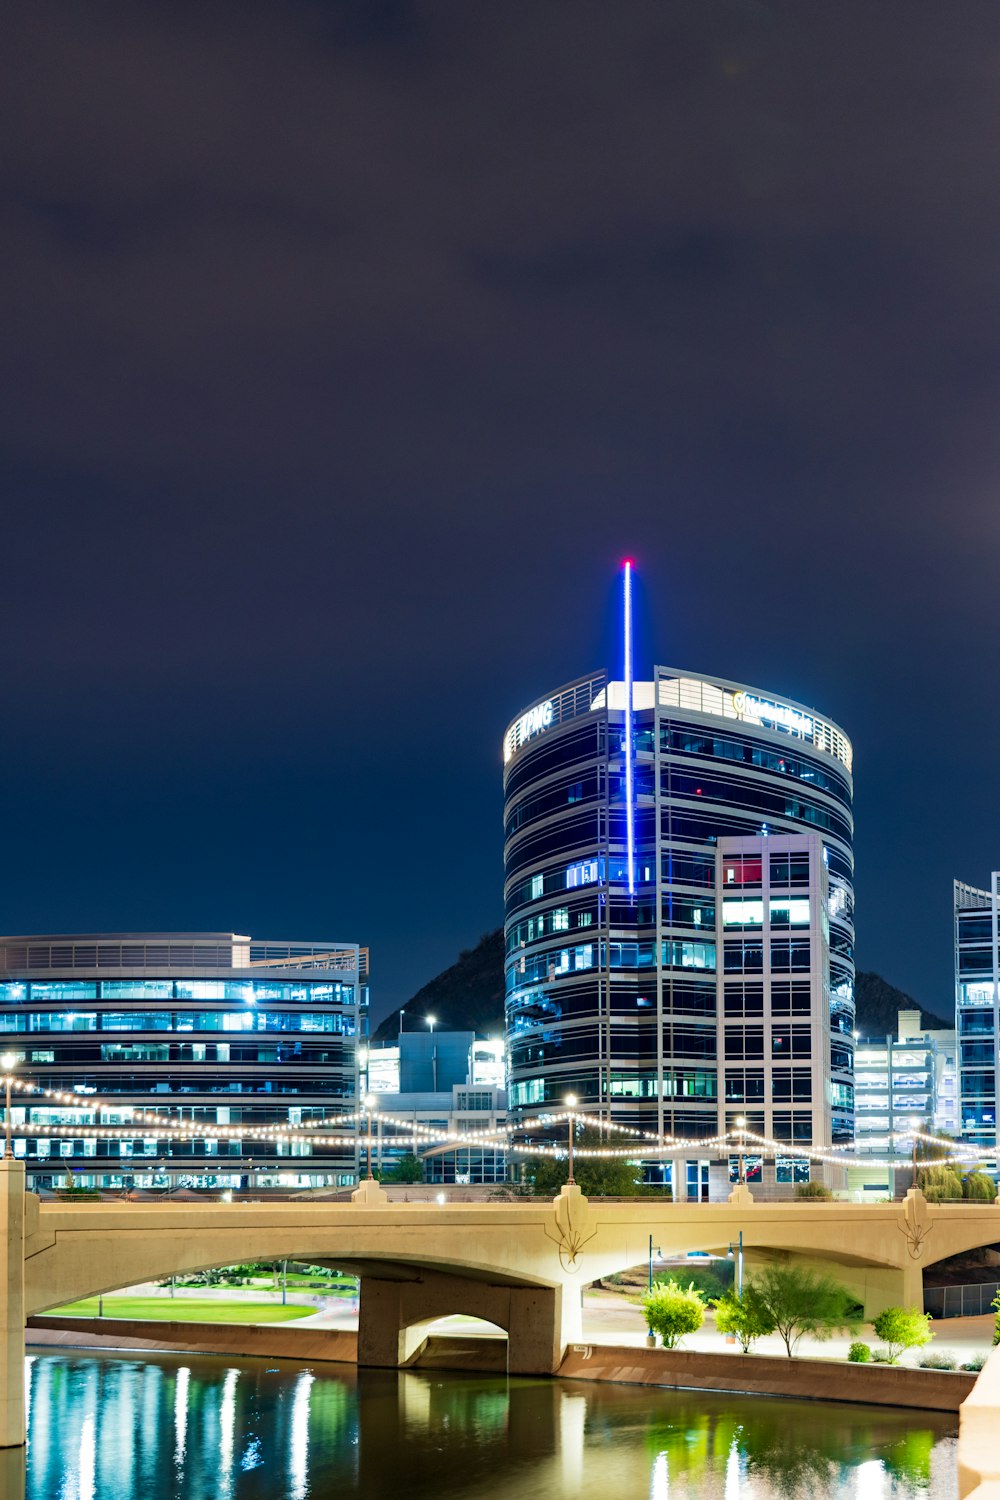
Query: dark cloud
{"points": [[347, 346]]}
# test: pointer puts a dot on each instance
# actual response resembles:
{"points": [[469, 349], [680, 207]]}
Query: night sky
{"points": [[346, 349]]}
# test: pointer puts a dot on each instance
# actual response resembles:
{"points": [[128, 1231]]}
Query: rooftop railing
{"points": [[166, 953]]}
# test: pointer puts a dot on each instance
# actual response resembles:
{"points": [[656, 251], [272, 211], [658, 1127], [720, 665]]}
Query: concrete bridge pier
{"points": [[12, 1429], [394, 1315]]}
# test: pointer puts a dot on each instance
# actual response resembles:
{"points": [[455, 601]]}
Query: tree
{"points": [[802, 1301], [596, 1176], [408, 1168], [902, 1328], [940, 1183], [979, 1187], [996, 1321], [672, 1311], [746, 1318]]}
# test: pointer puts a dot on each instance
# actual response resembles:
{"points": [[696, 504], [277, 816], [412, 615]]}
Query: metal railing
{"points": [[971, 1300]]}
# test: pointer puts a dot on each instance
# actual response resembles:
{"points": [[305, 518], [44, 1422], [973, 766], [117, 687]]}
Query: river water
{"points": [[176, 1427]]}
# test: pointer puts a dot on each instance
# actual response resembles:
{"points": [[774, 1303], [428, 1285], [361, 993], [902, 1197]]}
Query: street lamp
{"points": [[737, 1255], [914, 1127], [741, 1125], [432, 1022], [8, 1062], [370, 1102], [570, 1103]]}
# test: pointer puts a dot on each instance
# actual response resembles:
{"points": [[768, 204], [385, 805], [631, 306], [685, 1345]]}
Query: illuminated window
{"points": [[537, 886], [976, 994], [680, 955], [790, 911], [560, 919], [791, 1169], [743, 913]]}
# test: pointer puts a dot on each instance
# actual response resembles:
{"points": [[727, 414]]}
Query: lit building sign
{"points": [[762, 711], [527, 726]]}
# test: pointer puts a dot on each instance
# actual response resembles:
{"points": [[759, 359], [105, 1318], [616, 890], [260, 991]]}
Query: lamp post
{"points": [[570, 1106], [432, 1021], [737, 1255], [402, 1013], [8, 1062], [914, 1127], [741, 1125], [659, 1256], [369, 1102], [650, 1335]]}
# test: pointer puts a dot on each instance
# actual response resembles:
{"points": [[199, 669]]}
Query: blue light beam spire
{"points": [[629, 738]]}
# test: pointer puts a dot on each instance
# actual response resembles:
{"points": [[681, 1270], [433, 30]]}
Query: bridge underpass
{"points": [[521, 1266]]}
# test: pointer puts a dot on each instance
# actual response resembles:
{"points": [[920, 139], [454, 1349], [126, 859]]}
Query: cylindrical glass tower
{"points": [[723, 982]]}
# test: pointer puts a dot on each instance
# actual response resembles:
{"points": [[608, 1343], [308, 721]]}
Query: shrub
{"points": [[859, 1353], [937, 1362], [409, 1168], [996, 1321], [746, 1318], [672, 1311], [802, 1301], [882, 1357], [712, 1281], [979, 1187], [902, 1328], [975, 1363], [812, 1190]]}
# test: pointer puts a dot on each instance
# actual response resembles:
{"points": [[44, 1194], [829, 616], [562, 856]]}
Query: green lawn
{"points": [[184, 1310]]}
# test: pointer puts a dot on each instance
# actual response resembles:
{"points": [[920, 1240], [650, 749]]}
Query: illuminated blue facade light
{"points": [[629, 737]]}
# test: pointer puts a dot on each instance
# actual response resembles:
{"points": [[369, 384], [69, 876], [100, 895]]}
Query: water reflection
{"points": [[119, 1428]]}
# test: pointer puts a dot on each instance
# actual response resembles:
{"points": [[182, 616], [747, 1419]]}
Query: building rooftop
{"points": [[196, 953]]}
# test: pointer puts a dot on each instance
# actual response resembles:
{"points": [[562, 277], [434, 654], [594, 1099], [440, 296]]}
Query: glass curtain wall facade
{"points": [[612, 993], [977, 1008], [211, 1027], [777, 1048]]}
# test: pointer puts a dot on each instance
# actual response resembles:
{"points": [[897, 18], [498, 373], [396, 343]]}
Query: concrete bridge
{"points": [[521, 1265]]}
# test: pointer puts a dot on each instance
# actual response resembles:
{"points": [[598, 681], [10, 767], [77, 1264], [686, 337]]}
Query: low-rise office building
{"points": [[904, 1080], [437, 1082], [212, 1028]]}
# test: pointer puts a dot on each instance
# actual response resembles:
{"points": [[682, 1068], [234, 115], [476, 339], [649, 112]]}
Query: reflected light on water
{"points": [[734, 1472], [29, 1364], [191, 1427], [298, 1447], [227, 1431], [572, 1438], [869, 1480], [181, 1416], [88, 1458]]}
